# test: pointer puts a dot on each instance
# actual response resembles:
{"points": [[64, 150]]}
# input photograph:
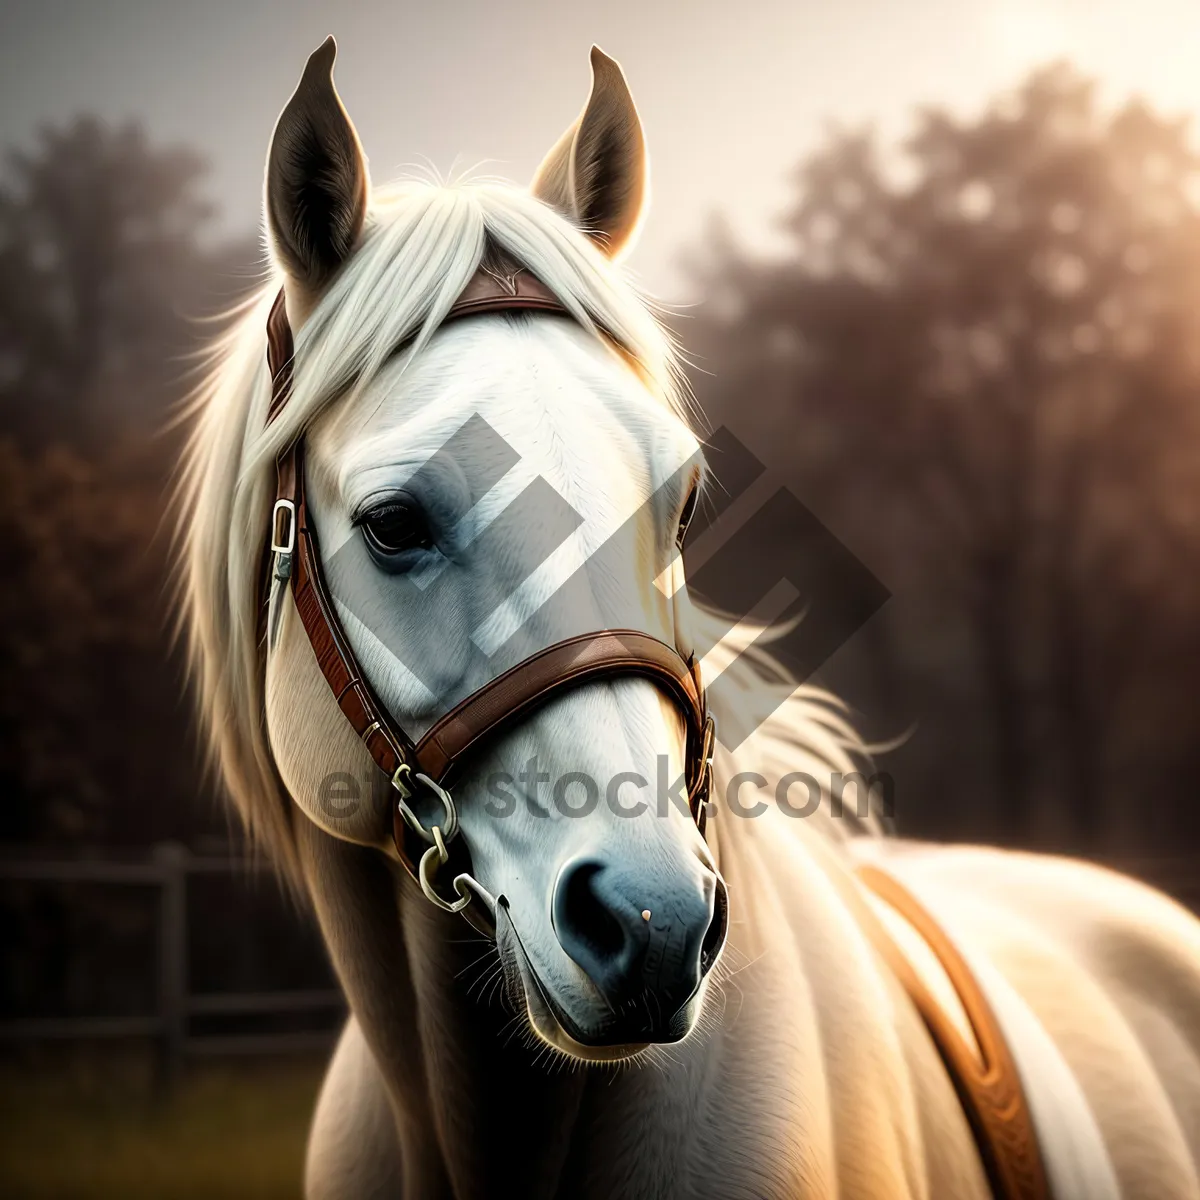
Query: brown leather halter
{"points": [[429, 762], [990, 1091]]}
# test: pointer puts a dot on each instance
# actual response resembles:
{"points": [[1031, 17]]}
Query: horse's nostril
{"points": [[635, 933], [582, 920], [601, 928]]}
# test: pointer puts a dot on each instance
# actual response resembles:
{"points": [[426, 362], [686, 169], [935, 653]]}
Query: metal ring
{"points": [[436, 856], [450, 829], [431, 860], [464, 882], [411, 819], [399, 783]]}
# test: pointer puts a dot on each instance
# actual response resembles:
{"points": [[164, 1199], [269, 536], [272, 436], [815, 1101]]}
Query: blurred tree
{"points": [[93, 727], [102, 274], [984, 372], [98, 263], [102, 278]]}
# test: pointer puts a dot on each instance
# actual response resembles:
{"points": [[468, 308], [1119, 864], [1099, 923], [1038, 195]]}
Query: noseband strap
{"points": [[519, 691], [533, 681]]}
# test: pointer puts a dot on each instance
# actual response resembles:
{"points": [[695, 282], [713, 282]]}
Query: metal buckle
{"points": [[283, 549], [288, 545], [699, 798], [709, 743], [708, 746]]}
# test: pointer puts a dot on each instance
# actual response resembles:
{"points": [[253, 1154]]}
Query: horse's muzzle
{"points": [[645, 947]]}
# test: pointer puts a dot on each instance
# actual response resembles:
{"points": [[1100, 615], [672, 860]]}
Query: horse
{"points": [[641, 1006]]}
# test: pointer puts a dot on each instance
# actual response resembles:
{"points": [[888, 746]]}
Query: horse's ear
{"points": [[597, 172], [317, 179]]}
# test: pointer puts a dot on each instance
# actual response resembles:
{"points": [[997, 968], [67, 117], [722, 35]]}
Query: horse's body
{"points": [[806, 1071], [815, 1078]]}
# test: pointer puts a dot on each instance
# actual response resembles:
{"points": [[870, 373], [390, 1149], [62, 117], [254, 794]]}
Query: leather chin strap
{"points": [[504, 700]]}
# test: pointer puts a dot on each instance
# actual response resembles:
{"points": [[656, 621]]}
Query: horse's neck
{"points": [[505, 1118], [474, 1107], [893, 1123], [811, 1081]]}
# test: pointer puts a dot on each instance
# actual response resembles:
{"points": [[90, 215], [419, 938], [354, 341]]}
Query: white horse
{"points": [[797, 1066]]}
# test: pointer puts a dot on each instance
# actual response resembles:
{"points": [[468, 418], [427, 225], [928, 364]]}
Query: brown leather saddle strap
{"points": [[988, 1086]]}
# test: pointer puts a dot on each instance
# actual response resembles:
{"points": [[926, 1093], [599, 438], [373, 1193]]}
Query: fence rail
{"points": [[168, 870]]}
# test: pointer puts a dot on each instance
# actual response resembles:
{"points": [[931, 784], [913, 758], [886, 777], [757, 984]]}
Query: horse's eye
{"points": [[395, 526], [685, 518]]}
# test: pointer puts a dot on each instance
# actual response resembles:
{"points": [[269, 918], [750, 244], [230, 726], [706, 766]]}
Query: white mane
{"points": [[421, 245]]}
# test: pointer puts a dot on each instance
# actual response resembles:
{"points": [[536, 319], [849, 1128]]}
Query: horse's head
{"points": [[482, 490]]}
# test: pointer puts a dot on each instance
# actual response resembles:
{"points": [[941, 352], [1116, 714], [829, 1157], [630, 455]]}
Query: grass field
{"points": [[98, 1130]]}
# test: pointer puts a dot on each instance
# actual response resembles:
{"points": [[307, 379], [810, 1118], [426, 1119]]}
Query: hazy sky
{"points": [[731, 92]]}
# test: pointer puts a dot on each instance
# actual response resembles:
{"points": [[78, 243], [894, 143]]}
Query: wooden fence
{"points": [[168, 871]]}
